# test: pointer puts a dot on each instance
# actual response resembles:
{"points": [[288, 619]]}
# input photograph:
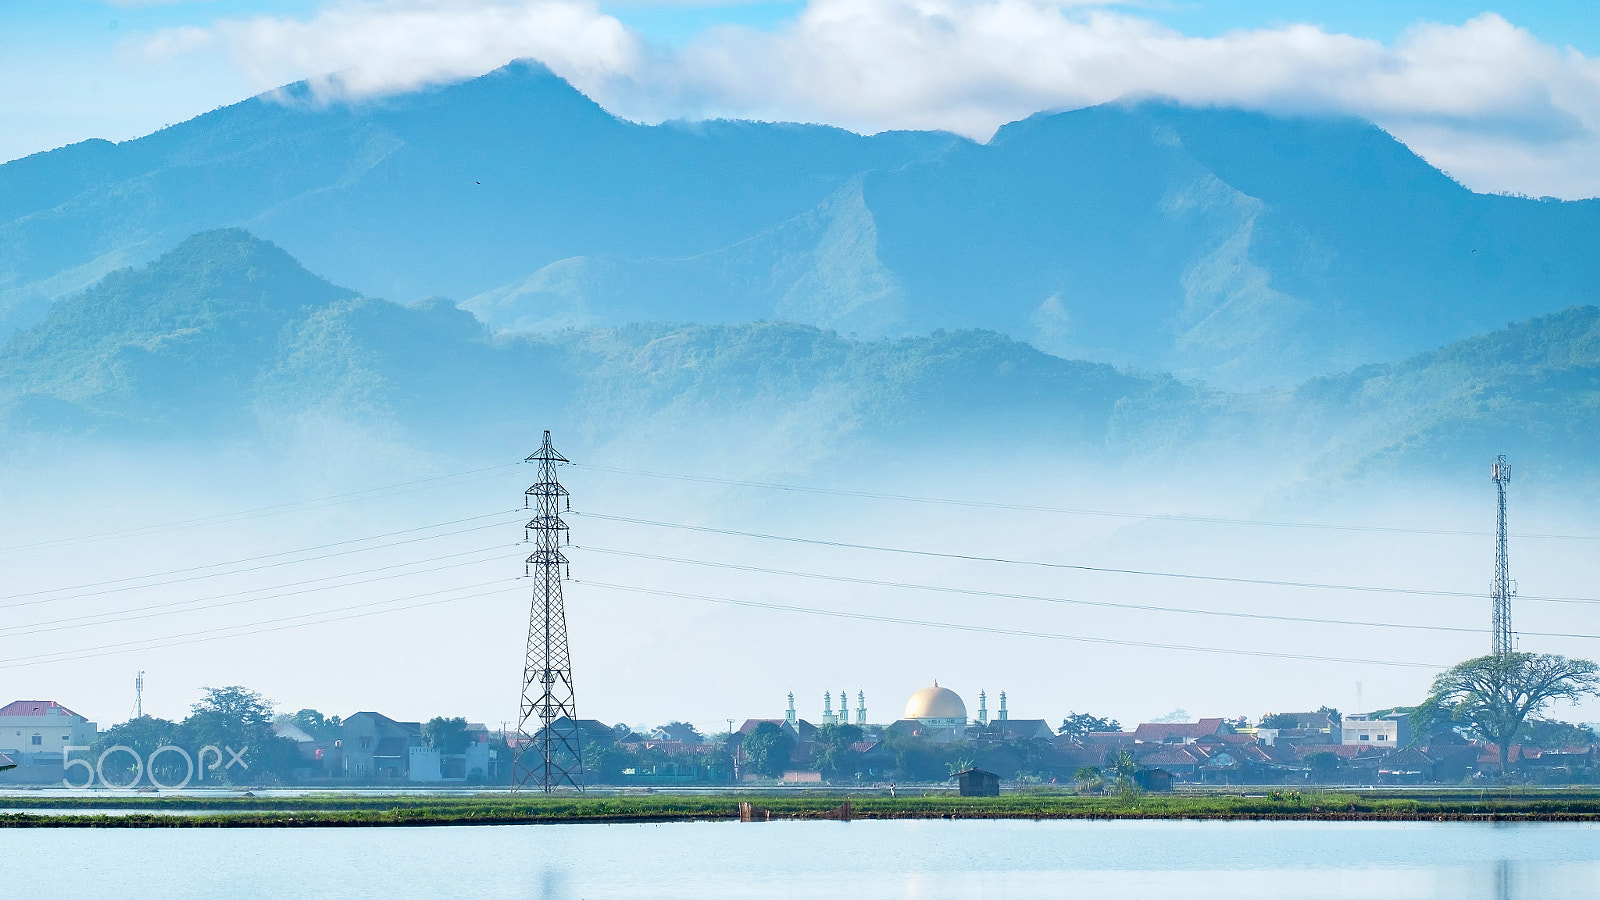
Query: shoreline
{"points": [[350, 811]]}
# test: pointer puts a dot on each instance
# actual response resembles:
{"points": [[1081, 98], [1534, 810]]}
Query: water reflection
{"points": [[1505, 875], [891, 860], [553, 885]]}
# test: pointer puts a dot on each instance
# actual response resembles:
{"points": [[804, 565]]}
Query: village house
{"points": [[36, 734]]}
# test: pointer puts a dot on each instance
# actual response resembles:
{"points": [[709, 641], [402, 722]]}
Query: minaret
{"points": [[790, 716], [1003, 715], [844, 708], [827, 709], [861, 708], [983, 709]]}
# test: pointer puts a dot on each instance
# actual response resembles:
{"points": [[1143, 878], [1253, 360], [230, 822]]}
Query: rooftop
{"points": [[25, 708]]}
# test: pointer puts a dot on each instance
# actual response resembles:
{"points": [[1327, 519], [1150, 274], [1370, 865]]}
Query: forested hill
{"points": [[227, 335], [1239, 248], [228, 338]]}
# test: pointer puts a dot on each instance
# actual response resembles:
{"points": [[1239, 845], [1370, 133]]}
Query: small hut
{"points": [[978, 783]]}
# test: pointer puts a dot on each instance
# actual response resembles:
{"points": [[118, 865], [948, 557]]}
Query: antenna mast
{"points": [[552, 758], [1500, 471], [138, 695]]}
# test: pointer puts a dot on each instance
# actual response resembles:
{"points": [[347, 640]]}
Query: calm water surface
{"points": [[868, 860]]}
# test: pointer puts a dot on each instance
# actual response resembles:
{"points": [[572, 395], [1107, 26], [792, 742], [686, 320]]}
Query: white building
{"points": [[1392, 730], [35, 732]]}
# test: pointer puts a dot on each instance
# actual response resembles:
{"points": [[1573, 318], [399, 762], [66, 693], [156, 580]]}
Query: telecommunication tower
{"points": [[552, 758], [1500, 471], [138, 696]]}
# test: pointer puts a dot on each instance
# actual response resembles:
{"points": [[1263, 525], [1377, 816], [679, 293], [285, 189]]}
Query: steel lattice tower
{"points": [[552, 758], [1503, 589]]}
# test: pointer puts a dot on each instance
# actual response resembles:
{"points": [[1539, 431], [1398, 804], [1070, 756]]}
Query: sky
{"points": [[374, 579], [1504, 97]]}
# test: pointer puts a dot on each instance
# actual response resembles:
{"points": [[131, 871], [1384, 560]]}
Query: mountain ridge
{"points": [[1244, 249], [229, 338]]}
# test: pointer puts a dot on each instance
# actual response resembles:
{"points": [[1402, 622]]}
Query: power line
{"points": [[258, 512], [1010, 632], [201, 637], [249, 559], [1105, 513], [167, 609], [1227, 579], [245, 570], [1107, 604]]}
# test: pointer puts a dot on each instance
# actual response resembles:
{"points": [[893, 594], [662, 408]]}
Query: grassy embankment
{"points": [[349, 810]]}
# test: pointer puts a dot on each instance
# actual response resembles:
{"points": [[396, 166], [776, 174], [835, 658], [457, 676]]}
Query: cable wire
{"points": [[215, 633], [248, 559], [249, 569], [1105, 513], [167, 609], [1009, 632], [257, 512], [1227, 579], [1106, 604]]}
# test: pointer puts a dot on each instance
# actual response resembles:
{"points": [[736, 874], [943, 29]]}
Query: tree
{"points": [[143, 736], [448, 736], [1077, 724], [1549, 734], [1127, 770], [1494, 695], [314, 723], [1088, 778], [834, 756], [238, 718], [767, 747], [1323, 764], [694, 736]]}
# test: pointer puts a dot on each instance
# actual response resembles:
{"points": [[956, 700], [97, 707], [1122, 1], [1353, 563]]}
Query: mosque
{"points": [[935, 712], [939, 713]]}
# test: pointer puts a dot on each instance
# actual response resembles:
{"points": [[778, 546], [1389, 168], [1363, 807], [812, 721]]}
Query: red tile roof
{"points": [[1164, 732], [35, 708], [1171, 756], [1347, 751]]}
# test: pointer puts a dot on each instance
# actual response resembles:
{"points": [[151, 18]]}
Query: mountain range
{"points": [[1241, 249], [227, 337]]}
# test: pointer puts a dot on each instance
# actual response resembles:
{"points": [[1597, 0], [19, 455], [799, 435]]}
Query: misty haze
{"points": [[981, 423]]}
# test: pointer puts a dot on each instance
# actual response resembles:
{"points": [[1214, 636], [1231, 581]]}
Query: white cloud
{"points": [[1483, 100], [383, 46]]}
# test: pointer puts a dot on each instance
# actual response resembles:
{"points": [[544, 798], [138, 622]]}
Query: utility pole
{"points": [[552, 759], [1500, 471]]}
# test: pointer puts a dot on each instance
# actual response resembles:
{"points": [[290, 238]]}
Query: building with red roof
{"points": [[39, 733]]}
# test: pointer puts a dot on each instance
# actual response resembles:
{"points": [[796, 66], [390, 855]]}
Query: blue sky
{"points": [[1505, 97]]}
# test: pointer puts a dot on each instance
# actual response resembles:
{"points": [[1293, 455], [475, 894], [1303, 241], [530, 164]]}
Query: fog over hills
{"points": [[1241, 249], [355, 457], [228, 338]]}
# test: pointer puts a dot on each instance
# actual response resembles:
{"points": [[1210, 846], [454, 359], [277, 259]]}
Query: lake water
{"points": [[863, 859]]}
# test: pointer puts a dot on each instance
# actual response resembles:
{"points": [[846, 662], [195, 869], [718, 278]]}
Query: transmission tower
{"points": [[1503, 588], [551, 758]]}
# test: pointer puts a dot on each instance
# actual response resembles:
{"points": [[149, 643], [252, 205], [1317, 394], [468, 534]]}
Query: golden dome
{"points": [[935, 703]]}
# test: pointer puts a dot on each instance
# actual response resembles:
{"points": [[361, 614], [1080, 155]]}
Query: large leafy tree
{"points": [[238, 718], [767, 747], [143, 736], [314, 723], [447, 735], [834, 756], [1077, 724], [1493, 696]]}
